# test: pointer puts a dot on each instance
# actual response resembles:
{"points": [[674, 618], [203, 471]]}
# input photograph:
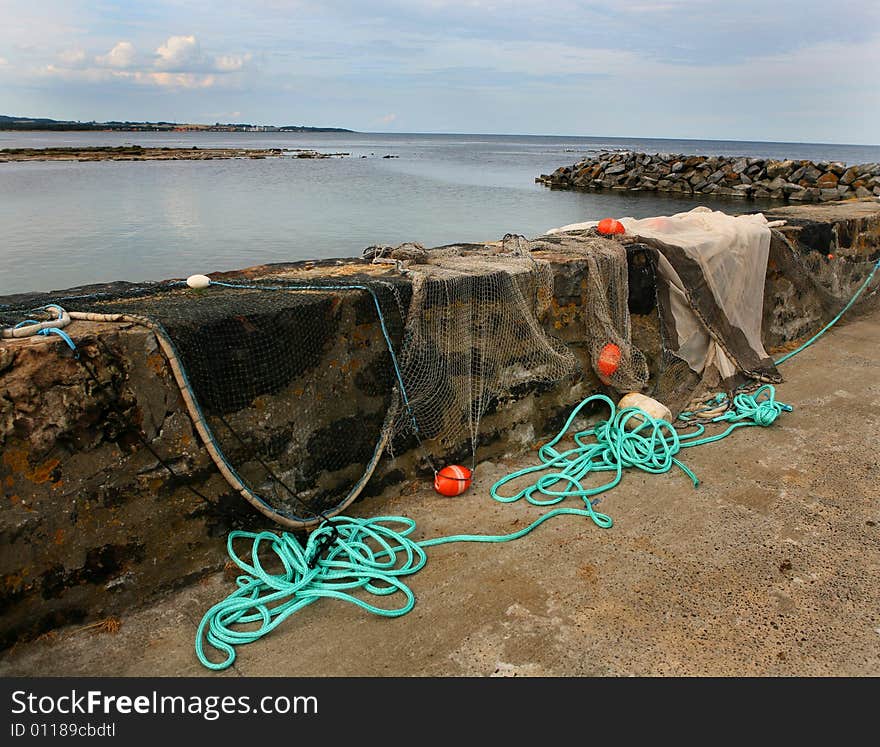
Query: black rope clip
{"points": [[323, 543]]}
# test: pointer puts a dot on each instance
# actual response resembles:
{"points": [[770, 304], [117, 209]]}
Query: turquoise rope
{"points": [[373, 555], [629, 438], [369, 554], [836, 318]]}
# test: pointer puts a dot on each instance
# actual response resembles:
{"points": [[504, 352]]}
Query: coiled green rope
{"points": [[346, 554]]}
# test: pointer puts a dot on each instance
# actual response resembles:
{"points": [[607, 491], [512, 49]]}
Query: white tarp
{"points": [[732, 253]]}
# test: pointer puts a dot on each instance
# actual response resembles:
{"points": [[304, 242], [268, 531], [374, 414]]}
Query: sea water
{"points": [[64, 224]]}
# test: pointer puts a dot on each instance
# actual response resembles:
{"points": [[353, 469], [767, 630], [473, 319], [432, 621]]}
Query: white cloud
{"points": [[3, 61], [231, 63], [179, 63], [120, 57], [183, 54], [73, 57], [174, 80], [179, 53], [387, 119]]}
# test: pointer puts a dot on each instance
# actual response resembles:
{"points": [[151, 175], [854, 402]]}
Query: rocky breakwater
{"points": [[744, 178]]}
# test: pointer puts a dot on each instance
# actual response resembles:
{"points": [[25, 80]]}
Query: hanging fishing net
{"points": [[298, 386], [473, 335], [291, 383], [603, 300]]}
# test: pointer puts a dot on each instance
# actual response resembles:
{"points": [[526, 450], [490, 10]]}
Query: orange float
{"points": [[609, 226], [453, 480], [609, 360]]}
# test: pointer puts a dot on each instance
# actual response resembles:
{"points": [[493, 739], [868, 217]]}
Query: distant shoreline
{"points": [[138, 153], [32, 124]]}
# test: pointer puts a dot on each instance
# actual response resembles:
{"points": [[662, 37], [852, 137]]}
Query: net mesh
{"points": [[603, 297], [295, 383], [474, 334], [303, 383]]}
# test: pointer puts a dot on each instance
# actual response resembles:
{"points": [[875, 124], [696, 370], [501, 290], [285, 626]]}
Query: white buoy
{"points": [[651, 406], [198, 281]]}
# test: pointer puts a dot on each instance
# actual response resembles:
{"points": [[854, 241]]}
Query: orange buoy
{"points": [[453, 480], [609, 226], [609, 360]]}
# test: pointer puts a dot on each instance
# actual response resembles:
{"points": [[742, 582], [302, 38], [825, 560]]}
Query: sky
{"points": [[790, 71]]}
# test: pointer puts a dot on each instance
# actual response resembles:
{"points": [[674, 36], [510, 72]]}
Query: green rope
{"points": [[629, 438], [368, 554], [836, 318], [346, 554]]}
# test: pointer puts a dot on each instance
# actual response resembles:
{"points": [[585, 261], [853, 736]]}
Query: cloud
{"points": [[73, 58], [175, 80], [179, 63], [231, 63], [3, 61], [122, 56], [182, 53], [387, 119]]}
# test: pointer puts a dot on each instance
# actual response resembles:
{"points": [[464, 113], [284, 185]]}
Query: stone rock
{"points": [[717, 176], [616, 169], [761, 194], [850, 175], [745, 179], [740, 165], [790, 188], [779, 168], [827, 180], [677, 166], [837, 168], [776, 184], [811, 174], [827, 195], [862, 192], [843, 189]]}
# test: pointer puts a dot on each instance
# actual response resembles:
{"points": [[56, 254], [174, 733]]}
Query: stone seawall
{"points": [[91, 524], [719, 176]]}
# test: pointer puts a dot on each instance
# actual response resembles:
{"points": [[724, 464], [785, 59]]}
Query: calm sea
{"points": [[66, 224]]}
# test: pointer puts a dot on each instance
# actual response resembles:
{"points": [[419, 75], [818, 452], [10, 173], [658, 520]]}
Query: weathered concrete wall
{"points": [[91, 522], [719, 176]]}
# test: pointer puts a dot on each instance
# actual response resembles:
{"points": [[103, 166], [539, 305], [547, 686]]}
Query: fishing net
{"points": [[293, 380], [474, 334], [602, 299], [298, 386], [299, 382]]}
